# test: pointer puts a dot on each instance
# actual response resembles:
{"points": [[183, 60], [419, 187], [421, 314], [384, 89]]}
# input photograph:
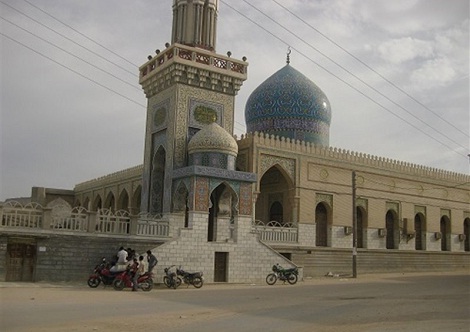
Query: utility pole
{"points": [[354, 225]]}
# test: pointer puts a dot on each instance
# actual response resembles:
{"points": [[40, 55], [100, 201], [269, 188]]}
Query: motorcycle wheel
{"points": [[118, 284], [167, 281], [93, 282], [178, 282], [271, 279], [146, 285], [292, 278], [197, 282]]}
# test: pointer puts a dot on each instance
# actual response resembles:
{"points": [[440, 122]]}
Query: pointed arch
{"points": [[322, 221], [97, 203], [445, 233], [86, 203], [157, 178], [362, 224], [276, 196], [136, 199], [223, 204], [123, 201], [420, 231], [466, 232], [110, 202], [392, 227]]}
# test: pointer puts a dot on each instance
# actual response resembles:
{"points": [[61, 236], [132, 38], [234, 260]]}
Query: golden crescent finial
{"points": [[288, 54]]}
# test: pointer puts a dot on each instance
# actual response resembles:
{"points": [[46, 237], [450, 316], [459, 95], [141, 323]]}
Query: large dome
{"points": [[288, 104]]}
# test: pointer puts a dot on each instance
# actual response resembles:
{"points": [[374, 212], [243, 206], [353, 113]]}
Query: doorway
{"points": [[20, 262], [220, 267]]}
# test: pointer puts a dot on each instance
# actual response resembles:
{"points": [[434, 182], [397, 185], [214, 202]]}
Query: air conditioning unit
{"points": [[382, 232], [348, 230], [462, 237], [437, 235]]}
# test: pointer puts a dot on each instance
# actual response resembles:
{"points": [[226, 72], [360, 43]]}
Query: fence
{"points": [[63, 218], [274, 231]]}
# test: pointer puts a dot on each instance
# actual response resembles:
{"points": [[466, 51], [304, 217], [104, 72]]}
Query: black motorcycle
{"points": [[170, 278], [102, 274], [289, 275], [190, 278]]}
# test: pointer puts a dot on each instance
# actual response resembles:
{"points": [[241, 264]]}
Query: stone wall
{"points": [[71, 257]]}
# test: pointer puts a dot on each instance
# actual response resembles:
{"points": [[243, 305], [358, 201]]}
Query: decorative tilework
{"points": [[246, 199], [160, 115], [288, 104], [325, 198], [203, 112], [202, 194], [268, 161]]}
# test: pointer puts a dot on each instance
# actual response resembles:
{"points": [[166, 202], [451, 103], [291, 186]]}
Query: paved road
{"points": [[411, 302]]}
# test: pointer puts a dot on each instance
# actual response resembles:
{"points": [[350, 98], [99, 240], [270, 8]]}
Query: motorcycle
{"points": [[102, 274], [170, 278], [289, 275], [194, 278], [124, 279]]}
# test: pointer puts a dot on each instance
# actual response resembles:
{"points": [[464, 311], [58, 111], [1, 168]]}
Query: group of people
{"points": [[137, 268]]}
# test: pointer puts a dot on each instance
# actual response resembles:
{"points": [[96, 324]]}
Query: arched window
{"points": [[420, 232], [321, 225], [445, 233], [391, 224]]}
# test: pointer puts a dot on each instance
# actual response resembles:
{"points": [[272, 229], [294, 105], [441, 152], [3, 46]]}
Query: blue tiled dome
{"points": [[288, 104]]}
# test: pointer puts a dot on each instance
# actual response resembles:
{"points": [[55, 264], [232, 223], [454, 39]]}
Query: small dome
{"points": [[288, 104], [213, 138]]}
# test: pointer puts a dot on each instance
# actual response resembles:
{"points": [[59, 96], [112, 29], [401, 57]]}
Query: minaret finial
{"points": [[288, 53]]}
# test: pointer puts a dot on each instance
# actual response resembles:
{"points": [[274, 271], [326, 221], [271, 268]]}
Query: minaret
{"points": [[187, 86], [195, 23]]}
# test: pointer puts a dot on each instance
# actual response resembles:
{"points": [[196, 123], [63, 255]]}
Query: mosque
{"points": [[233, 207]]}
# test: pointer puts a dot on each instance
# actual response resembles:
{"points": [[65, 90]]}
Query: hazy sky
{"points": [[396, 74]]}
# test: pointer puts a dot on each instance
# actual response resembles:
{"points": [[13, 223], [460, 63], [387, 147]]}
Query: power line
{"points": [[72, 70], [342, 80], [355, 76], [81, 34], [369, 67], [71, 54], [69, 39]]}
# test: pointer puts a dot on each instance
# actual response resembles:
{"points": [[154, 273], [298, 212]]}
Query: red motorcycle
{"points": [[124, 279], [102, 274]]}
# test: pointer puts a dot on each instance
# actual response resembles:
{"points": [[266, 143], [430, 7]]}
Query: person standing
{"points": [[138, 272], [151, 260]]}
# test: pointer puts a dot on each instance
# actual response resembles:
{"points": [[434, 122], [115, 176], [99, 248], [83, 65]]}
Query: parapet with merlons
{"points": [[351, 157]]}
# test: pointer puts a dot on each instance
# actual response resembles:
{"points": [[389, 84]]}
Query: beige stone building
{"points": [[234, 207]]}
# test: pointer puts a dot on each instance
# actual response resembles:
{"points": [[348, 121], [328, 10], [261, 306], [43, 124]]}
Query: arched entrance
{"points": [[361, 219], [276, 197], [445, 233], [221, 212], [321, 225], [466, 232], [391, 225], [420, 232]]}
